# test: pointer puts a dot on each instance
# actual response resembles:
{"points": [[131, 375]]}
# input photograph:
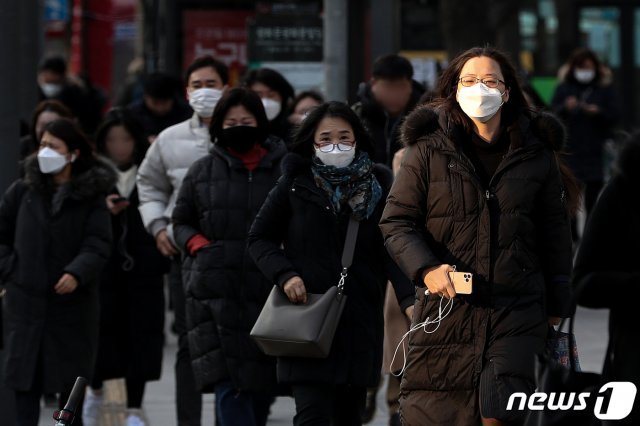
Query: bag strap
{"points": [[348, 251]]}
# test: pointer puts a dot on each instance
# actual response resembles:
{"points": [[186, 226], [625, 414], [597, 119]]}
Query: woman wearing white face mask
{"points": [[588, 105], [276, 94], [297, 240], [55, 237], [481, 187]]}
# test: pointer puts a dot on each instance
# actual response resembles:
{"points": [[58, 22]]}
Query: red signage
{"points": [[219, 33]]}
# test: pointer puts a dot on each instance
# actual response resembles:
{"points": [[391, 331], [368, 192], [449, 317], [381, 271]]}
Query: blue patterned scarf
{"points": [[354, 185]]}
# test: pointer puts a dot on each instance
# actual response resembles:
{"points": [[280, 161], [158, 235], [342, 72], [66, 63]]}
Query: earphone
{"points": [[442, 314]]}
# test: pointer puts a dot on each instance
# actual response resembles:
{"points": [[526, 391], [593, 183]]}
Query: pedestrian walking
{"points": [[55, 238], [131, 285], [481, 191], [297, 241], [225, 291], [159, 180]]}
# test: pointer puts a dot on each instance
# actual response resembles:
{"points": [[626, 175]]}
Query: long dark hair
{"points": [[275, 81], [516, 107], [448, 86], [70, 133], [122, 117], [303, 139], [246, 98]]}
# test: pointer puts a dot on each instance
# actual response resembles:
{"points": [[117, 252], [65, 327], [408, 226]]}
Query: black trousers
{"points": [[188, 398], [328, 405]]}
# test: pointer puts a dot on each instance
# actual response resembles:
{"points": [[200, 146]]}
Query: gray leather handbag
{"points": [[286, 329]]}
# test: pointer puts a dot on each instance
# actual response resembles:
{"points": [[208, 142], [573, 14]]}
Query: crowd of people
{"points": [[223, 192]]}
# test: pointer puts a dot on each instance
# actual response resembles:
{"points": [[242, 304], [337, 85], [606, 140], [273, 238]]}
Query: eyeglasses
{"points": [[330, 146], [490, 82]]}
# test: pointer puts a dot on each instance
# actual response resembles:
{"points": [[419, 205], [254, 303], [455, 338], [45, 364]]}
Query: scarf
{"points": [[354, 185]]}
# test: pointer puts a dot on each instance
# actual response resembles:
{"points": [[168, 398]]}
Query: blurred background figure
{"points": [[131, 288], [55, 218], [587, 103], [276, 94], [161, 106], [84, 102], [384, 101], [608, 259], [45, 112], [302, 104]]}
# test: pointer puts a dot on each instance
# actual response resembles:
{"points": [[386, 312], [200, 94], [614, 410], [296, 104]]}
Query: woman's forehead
{"points": [[481, 66]]}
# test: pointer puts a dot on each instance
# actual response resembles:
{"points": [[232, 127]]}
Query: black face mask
{"points": [[239, 138]]}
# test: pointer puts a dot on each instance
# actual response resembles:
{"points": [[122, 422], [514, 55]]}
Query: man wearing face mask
{"points": [[53, 83], [587, 103], [159, 181]]}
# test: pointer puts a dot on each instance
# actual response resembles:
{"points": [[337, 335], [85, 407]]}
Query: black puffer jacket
{"points": [[43, 236], [607, 272], [297, 216], [514, 236], [219, 199]]}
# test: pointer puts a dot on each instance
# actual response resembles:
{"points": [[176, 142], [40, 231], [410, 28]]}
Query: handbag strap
{"points": [[348, 251]]}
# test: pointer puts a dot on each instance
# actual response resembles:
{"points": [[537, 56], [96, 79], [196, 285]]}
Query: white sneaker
{"points": [[92, 408], [135, 418]]}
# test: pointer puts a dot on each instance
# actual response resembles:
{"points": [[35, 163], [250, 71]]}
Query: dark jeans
{"points": [[235, 408], [188, 398], [328, 405]]}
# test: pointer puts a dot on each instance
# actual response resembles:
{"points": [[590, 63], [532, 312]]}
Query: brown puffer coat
{"points": [[514, 236]]}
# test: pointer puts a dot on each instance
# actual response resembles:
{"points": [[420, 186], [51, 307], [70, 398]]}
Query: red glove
{"points": [[196, 243]]}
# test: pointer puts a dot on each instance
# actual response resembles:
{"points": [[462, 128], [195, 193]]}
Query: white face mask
{"points": [[584, 76], [272, 108], [52, 162], [336, 158], [479, 101], [203, 101], [51, 90]]}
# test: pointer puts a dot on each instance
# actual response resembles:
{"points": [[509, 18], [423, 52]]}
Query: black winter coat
{"points": [[298, 216], [40, 240], [131, 301], [607, 271], [225, 291], [514, 236], [587, 133], [384, 130]]}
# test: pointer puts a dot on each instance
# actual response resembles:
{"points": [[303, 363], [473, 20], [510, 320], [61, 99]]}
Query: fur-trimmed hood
{"points": [[425, 121], [294, 165], [98, 180]]}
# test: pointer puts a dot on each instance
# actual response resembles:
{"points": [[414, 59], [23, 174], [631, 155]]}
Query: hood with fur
{"points": [[98, 180], [425, 121], [629, 159]]}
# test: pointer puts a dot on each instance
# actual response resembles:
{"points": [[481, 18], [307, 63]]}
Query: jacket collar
{"points": [[425, 122], [275, 147]]}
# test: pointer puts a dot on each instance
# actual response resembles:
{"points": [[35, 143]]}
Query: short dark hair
{"points": [[246, 98], [204, 62], [579, 57], [303, 138], [275, 81], [122, 117], [392, 67], [70, 133], [160, 85], [56, 64]]}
